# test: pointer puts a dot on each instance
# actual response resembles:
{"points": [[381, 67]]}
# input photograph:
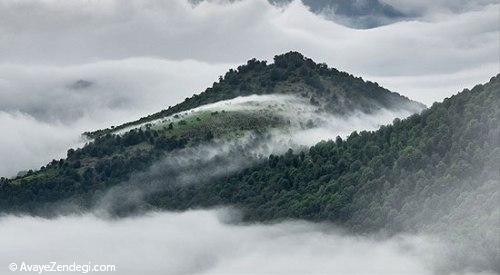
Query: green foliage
{"points": [[371, 179], [339, 92], [111, 159], [366, 181]]}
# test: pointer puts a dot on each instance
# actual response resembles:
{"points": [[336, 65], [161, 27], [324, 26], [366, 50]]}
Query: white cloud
{"points": [[198, 242], [435, 87], [205, 162], [43, 112], [27, 144], [139, 85], [85, 31], [141, 56]]}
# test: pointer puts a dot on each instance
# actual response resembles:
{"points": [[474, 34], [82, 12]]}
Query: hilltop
{"points": [[243, 107], [334, 91]]}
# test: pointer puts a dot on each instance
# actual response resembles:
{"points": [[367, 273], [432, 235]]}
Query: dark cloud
{"points": [[363, 14]]}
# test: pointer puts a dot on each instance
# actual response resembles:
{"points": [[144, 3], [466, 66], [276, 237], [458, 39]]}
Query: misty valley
{"points": [[292, 154], [221, 137]]}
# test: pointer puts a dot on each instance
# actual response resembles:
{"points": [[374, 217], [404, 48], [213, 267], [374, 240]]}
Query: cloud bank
{"points": [[79, 31], [44, 109], [201, 242]]}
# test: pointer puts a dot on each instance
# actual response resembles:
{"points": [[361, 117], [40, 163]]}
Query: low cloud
{"points": [[206, 162], [431, 88], [200, 242], [72, 66], [27, 143], [44, 109], [68, 93]]}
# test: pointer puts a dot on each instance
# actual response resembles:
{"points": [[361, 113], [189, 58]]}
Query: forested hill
{"points": [[406, 175], [277, 94], [291, 73], [413, 170]]}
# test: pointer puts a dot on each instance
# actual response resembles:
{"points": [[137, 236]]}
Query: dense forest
{"points": [[114, 154], [373, 179], [436, 172]]}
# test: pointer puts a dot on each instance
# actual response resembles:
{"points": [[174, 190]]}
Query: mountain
{"points": [[334, 91], [415, 168], [436, 172], [243, 109]]}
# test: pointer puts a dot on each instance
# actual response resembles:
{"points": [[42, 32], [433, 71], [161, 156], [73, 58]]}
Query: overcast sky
{"points": [[71, 66]]}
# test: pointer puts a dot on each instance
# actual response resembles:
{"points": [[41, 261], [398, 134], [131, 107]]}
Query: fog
{"points": [[44, 109], [72, 66], [298, 111], [132, 87], [460, 237], [83, 65], [210, 161], [446, 234], [203, 242]]}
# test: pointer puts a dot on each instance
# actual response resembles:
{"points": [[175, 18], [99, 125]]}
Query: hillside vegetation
{"points": [[403, 176], [437, 172], [114, 154], [291, 73]]}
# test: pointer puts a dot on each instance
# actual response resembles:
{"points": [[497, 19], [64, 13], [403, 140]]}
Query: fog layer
{"points": [[203, 163], [200, 242], [44, 109]]}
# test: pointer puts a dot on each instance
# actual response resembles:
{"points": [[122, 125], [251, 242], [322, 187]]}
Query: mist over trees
{"points": [[291, 73], [437, 171], [366, 179], [110, 158]]}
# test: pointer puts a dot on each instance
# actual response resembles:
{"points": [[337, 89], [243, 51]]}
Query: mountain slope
{"points": [[291, 73], [292, 93], [435, 173], [373, 179]]}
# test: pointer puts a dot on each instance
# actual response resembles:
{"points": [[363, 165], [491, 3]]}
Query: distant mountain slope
{"points": [[291, 73]]}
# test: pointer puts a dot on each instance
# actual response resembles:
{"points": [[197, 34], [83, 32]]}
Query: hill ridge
{"points": [[291, 72]]}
